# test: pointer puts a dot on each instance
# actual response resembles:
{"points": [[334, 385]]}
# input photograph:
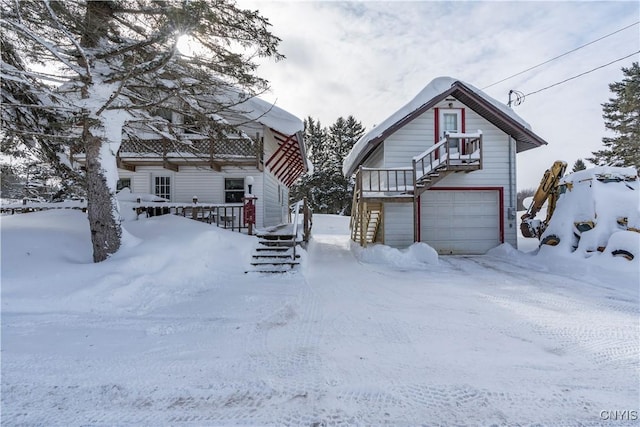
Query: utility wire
{"points": [[582, 74], [560, 56]]}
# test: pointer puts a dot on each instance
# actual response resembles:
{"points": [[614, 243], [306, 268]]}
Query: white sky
{"points": [[370, 58]]}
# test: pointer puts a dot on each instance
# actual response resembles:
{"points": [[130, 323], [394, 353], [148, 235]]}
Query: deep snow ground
{"points": [[171, 331]]}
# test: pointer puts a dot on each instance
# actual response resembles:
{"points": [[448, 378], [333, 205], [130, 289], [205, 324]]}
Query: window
{"points": [[233, 190], [123, 183], [163, 187], [189, 123], [165, 113]]}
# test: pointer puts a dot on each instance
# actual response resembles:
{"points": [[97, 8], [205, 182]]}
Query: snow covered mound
{"points": [[416, 256], [597, 214]]}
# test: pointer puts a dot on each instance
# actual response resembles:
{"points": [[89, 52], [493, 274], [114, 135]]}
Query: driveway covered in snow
{"points": [[156, 336]]}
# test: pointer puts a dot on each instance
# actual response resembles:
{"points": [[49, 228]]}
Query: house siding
{"points": [[376, 160], [190, 181], [274, 204], [418, 135], [398, 224]]}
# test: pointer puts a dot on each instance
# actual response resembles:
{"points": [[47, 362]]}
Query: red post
{"points": [[249, 212]]}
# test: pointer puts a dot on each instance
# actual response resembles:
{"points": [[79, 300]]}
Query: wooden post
{"points": [[416, 200], [305, 219], [363, 236]]}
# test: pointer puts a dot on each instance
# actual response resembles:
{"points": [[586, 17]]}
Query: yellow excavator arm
{"points": [[547, 191]]}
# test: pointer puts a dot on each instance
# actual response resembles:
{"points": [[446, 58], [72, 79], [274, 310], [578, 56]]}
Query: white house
{"points": [[441, 170], [180, 161]]}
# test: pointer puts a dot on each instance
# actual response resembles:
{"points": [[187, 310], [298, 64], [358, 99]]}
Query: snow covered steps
{"points": [[275, 253]]}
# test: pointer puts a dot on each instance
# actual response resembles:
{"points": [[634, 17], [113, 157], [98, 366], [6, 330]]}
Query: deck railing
{"points": [[377, 181], [455, 149], [224, 215], [307, 218]]}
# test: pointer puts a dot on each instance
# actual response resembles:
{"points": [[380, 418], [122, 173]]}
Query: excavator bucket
{"points": [[531, 227]]}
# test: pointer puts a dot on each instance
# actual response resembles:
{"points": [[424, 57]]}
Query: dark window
{"points": [[163, 187], [189, 124], [123, 183], [233, 190], [165, 113]]}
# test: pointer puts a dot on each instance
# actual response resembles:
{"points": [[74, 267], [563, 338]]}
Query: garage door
{"points": [[460, 222]]}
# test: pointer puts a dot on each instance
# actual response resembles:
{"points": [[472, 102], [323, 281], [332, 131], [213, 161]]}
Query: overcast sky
{"points": [[368, 59]]}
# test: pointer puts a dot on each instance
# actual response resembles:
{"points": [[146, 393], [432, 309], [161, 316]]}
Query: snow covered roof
{"points": [[491, 109], [273, 117], [270, 115], [259, 110]]}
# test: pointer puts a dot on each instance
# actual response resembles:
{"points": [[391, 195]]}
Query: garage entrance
{"points": [[461, 221]]}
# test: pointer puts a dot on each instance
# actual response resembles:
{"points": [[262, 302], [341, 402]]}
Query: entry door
{"points": [[451, 121]]}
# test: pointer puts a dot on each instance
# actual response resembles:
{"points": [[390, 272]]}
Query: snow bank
{"points": [[47, 263], [416, 256]]}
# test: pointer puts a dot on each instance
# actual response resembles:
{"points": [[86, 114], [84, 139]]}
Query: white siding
{"points": [[398, 224], [376, 160], [416, 136], [274, 205], [190, 181], [409, 141]]}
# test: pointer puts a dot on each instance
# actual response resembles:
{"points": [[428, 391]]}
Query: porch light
{"points": [[249, 181]]}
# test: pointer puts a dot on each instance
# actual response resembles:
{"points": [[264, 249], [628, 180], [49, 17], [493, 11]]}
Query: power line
{"points": [[582, 74], [564, 54]]}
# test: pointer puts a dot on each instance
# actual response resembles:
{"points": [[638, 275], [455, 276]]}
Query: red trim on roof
{"points": [[287, 163]]}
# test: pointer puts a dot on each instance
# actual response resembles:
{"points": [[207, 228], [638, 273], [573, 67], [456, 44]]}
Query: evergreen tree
{"points": [[622, 117], [113, 61], [327, 189], [343, 135], [579, 166]]}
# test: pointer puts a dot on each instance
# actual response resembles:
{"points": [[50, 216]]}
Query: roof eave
{"points": [[525, 138], [373, 144]]}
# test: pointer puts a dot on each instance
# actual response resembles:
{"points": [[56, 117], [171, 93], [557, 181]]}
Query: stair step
{"points": [[276, 237], [272, 270], [277, 243], [273, 249], [274, 256], [274, 262]]}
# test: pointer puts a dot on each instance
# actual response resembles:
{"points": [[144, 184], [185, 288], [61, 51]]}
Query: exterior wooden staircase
{"points": [[376, 186], [276, 249], [365, 224]]}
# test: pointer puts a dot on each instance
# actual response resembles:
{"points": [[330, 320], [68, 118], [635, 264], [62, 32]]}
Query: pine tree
{"points": [[343, 135], [579, 166], [114, 61], [622, 117], [327, 189]]}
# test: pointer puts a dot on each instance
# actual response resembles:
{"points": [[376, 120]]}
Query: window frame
{"points": [[460, 122], [237, 191], [159, 185], [121, 183]]}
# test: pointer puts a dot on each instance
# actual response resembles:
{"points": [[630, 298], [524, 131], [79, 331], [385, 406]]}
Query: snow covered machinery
{"points": [[593, 210], [547, 191]]}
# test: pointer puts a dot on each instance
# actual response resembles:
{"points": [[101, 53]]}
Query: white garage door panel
{"points": [[460, 222]]}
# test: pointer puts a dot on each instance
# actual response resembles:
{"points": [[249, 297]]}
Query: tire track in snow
{"points": [[575, 324]]}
